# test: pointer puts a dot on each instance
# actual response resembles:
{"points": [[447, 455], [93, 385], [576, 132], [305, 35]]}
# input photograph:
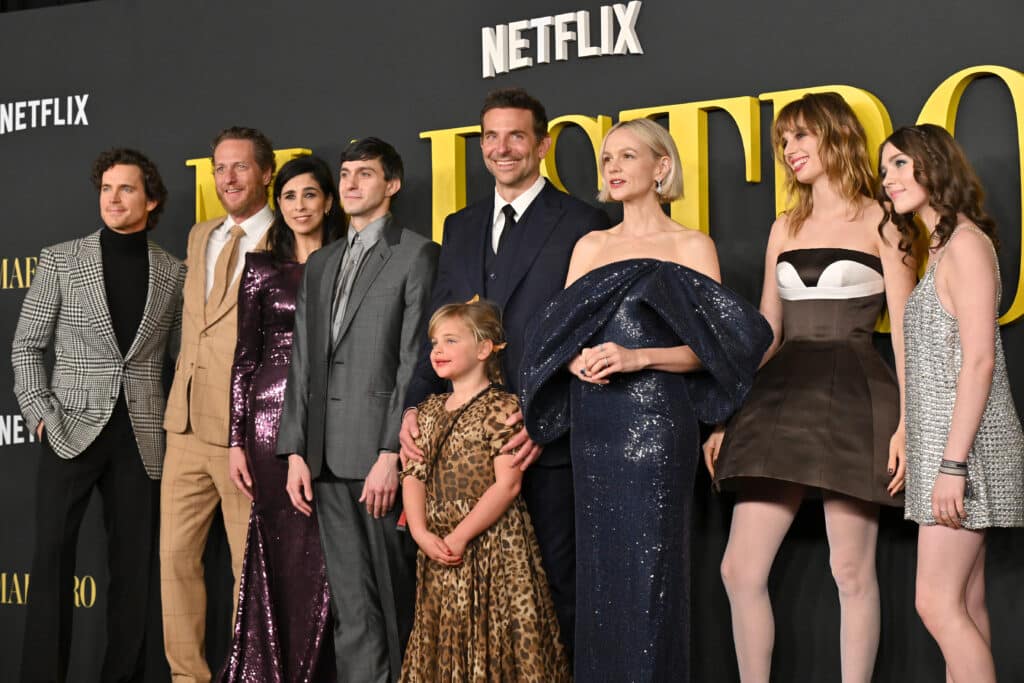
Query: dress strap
{"points": [[995, 255]]}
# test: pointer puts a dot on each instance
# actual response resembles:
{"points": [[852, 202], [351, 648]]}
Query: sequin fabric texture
{"points": [[995, 463], [283, 629], [635, 447]]}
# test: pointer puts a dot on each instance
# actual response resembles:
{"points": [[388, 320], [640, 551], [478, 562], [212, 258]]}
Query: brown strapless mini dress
{"points": [[822, 410]]}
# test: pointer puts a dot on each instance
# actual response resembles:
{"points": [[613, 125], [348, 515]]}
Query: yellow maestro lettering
{"points": [[16, 272], [688, 126], [594, 127], [447, 172], [941, 109], [13, 588], [207, 204]]}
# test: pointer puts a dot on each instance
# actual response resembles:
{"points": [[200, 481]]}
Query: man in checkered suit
{"points": [[109, 306]]}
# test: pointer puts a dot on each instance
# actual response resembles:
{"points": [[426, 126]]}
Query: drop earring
{"points": [[657, 186]]}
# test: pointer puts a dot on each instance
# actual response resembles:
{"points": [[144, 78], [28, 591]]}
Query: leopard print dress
{"points": [[491, 618]]}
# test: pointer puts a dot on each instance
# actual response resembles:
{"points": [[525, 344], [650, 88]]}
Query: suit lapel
{"points": [[195, 283], [368, 272], [230, 299], [88, 279], [328, 286], [480, 232], [160, 288], [540, 220]]}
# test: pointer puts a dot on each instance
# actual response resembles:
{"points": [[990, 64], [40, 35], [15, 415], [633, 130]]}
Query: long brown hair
{"points": [[842, 148], [484, 320], [942, 169]]}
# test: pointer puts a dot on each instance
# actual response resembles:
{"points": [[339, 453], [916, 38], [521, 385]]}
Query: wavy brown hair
{"points": [[942, 169], [484, 320], [842, 148]]}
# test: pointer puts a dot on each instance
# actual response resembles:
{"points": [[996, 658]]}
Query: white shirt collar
{"points": [[255, 224], [520, 203]]}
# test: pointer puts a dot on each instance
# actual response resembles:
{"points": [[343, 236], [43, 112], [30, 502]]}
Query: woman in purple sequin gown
{"points": [[283, 630]]}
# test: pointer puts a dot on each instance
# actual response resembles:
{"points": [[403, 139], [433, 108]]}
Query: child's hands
{"points": [[456, 544], [437, 550]]}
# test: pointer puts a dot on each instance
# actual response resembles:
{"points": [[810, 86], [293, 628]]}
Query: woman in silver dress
{"points": [[965, 449]]}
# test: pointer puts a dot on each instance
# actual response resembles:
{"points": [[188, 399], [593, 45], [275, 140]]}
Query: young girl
{"points": [[965, 448], [483, 611]]}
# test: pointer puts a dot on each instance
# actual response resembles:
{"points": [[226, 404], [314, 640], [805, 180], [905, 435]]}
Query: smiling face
{"points": [[455, 353], [630, 167], [241, 183], [800, 151], [124, 206], [304, 205], [898, 181], [511, 150]]}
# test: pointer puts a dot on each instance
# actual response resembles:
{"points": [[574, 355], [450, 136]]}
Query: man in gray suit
{"points": [[360, 317], [108, 305]]}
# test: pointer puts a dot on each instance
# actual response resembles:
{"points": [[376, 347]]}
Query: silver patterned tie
{"points": [[344, 288]]}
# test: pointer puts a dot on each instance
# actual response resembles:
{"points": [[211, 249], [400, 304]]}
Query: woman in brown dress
{"points": [[824, 411], [483, 610]]}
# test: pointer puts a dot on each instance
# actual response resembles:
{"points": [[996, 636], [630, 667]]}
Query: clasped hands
{"points": [[595, 364], [447, 551]]}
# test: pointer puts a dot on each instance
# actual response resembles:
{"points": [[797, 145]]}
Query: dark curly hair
{"points": [[280, 238], [517, 98], [942, 169], [152, 183]]}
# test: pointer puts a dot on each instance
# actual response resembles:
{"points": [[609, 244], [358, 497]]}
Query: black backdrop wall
{"points": [[165, 77]]}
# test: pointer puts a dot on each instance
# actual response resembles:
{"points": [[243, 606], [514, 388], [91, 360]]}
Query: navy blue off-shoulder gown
{"points": [[635, 444]]}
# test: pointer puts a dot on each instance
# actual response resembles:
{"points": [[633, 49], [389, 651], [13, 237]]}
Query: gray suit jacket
{"points": [[343, 405], [66, 310]]}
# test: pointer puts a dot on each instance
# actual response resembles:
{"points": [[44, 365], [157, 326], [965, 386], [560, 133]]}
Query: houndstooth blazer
{"points": [[66, 310]]}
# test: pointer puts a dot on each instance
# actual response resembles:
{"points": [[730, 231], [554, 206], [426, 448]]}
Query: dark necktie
{"points": [[510, 222]]}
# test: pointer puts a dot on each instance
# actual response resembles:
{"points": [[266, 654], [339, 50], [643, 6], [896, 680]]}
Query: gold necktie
{"points": [[224, 269]]}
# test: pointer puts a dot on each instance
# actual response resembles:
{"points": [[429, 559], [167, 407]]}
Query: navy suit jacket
{"points": [[551, 226]]}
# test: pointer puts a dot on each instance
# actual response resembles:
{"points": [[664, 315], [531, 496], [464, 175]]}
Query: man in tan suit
{"points": [[196, 477]]}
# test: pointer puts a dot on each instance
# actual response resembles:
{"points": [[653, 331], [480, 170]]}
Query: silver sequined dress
{"points": [[995, 463]]}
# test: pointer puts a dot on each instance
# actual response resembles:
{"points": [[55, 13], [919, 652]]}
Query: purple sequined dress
{"points": [[283, 631]]}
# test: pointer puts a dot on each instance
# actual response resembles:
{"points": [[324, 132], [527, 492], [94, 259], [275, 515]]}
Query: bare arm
{"points": [[967, 283], [900, 278], [771, 303], [414, 504], [491, 506]]}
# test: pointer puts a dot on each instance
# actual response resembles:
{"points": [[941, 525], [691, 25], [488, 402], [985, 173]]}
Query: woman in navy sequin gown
{"points": [[642, 345], [283, 626]]}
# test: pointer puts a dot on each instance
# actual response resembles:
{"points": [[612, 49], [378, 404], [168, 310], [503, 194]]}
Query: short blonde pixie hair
{"points": [[661, 144]]}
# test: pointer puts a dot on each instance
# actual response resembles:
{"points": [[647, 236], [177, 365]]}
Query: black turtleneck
{"points": [[126, 278]]}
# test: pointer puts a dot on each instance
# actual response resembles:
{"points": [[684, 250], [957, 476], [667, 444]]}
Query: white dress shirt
{"points": [[520, 204], [255, 228]]}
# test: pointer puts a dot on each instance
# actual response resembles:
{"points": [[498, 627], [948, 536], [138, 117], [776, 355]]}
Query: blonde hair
{"points": [[842, 148], [484, 321], [661, 144]]}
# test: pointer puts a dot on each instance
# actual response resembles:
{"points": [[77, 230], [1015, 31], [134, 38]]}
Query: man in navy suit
{"points": [[514, 249]]}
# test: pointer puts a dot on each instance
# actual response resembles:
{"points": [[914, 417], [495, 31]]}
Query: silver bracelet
{"points": [[953, 471]]}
